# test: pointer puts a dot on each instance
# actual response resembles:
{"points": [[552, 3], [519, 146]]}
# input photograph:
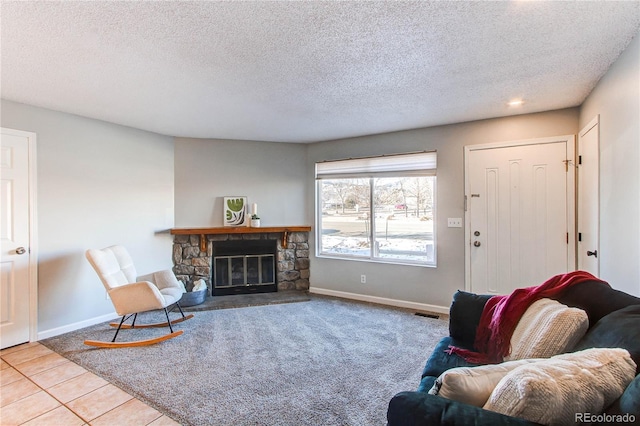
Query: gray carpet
{"points": [[244, 300], [322, 362]]}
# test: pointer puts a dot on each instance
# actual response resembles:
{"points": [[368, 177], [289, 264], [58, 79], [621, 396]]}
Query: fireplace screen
{"points": [[244, 270], [244, 267]]}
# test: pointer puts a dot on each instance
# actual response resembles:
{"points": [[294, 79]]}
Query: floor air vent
{"points": [[422, 314]]}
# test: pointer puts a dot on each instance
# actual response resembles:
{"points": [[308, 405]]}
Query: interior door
{"points": [[15, 284], [589, 198], [520, 211]]}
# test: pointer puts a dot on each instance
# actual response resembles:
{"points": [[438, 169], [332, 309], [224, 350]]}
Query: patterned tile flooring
{"points": [[40, 387]]}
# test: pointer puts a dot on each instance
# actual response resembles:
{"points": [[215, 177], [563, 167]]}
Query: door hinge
{"points": [[579, 236], [567, 238], [579, 159]]}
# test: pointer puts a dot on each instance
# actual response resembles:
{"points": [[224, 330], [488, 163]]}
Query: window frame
{"points": [[361, 170]]}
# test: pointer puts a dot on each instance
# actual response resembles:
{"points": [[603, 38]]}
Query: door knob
{"points": [[476, 243], [592, 253], [21, 250], [477, 233]]}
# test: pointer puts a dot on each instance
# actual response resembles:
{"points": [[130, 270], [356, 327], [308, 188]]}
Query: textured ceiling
{"points": [[306, 71]]}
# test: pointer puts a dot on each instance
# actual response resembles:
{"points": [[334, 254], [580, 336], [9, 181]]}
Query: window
{"points": [[378, 208]]}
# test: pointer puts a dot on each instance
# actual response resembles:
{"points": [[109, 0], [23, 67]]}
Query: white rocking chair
{"points": [[131, 295]]}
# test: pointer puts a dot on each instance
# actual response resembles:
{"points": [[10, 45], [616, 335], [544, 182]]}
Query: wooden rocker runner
{"points": [[131, 295]]}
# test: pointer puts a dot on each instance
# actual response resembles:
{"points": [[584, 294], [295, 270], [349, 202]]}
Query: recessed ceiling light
{"points": [[515, 103]]}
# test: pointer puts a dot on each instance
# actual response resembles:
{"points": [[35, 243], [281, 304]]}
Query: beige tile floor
{"points": [[40, 387]]}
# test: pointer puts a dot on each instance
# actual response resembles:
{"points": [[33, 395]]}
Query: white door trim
{"points": [[595, 121], [570, 142], [33, 231]]}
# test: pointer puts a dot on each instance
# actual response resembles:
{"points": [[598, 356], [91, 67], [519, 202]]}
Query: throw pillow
{"points": [[596, 299], [552, 391], [619, 329], [464, 316], [547, 328], [473, 385]]}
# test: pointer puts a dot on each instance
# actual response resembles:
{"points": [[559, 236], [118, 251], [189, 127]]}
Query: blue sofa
{"points": [[614, 321]]}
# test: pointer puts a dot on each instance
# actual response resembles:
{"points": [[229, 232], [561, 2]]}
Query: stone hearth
{"points": [[191, 263]]}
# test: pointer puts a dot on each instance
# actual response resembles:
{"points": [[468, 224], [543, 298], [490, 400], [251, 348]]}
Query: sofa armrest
{"points": [[464, 316], [419, 409], [440, 360], [629, 402]]}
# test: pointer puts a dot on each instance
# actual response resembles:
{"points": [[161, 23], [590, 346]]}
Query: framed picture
{"points": [[234, 211]]}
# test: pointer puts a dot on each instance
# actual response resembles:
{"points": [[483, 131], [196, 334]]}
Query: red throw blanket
{"points": [[501, 314]]}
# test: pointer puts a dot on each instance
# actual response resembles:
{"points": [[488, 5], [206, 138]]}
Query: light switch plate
{"points": [[454, 222]]}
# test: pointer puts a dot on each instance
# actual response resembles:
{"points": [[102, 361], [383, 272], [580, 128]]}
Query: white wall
{"points": [[98, 184], [269, 174], [617, 99], [424, 285]]}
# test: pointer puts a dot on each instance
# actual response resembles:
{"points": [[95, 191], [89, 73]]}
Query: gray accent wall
{"points": [[98, 184], [426, 285], [272, 175], [616, 98]]}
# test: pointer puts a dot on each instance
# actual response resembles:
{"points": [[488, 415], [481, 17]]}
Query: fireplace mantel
{"points": [[203, 232]]}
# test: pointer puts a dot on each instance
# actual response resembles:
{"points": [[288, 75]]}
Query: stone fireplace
{"points": [[243, 258]]}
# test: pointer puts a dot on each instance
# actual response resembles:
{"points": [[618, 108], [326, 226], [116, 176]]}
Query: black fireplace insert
{"points": [[244, 266]]}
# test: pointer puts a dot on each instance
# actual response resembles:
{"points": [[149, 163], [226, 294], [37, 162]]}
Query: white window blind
{"points": [[423, 164]]}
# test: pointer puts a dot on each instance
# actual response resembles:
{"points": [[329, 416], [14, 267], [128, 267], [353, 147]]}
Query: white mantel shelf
{"points": [[203, 232]]}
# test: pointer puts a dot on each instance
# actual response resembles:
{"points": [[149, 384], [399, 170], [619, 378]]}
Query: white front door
{"points": [[589, 198], [15, 238], [520, 209]]}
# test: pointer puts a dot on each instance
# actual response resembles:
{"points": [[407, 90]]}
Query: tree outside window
{"points": [[384, 216]]}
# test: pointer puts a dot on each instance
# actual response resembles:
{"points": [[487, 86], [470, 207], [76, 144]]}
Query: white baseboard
{"points": [[382, 300], [76, 326]]}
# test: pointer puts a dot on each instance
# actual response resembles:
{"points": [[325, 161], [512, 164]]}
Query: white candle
{"points": [[254, 209]]}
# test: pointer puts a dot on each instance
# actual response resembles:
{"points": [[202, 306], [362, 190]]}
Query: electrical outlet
{"points": [[363, 279], [454, 222]]}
